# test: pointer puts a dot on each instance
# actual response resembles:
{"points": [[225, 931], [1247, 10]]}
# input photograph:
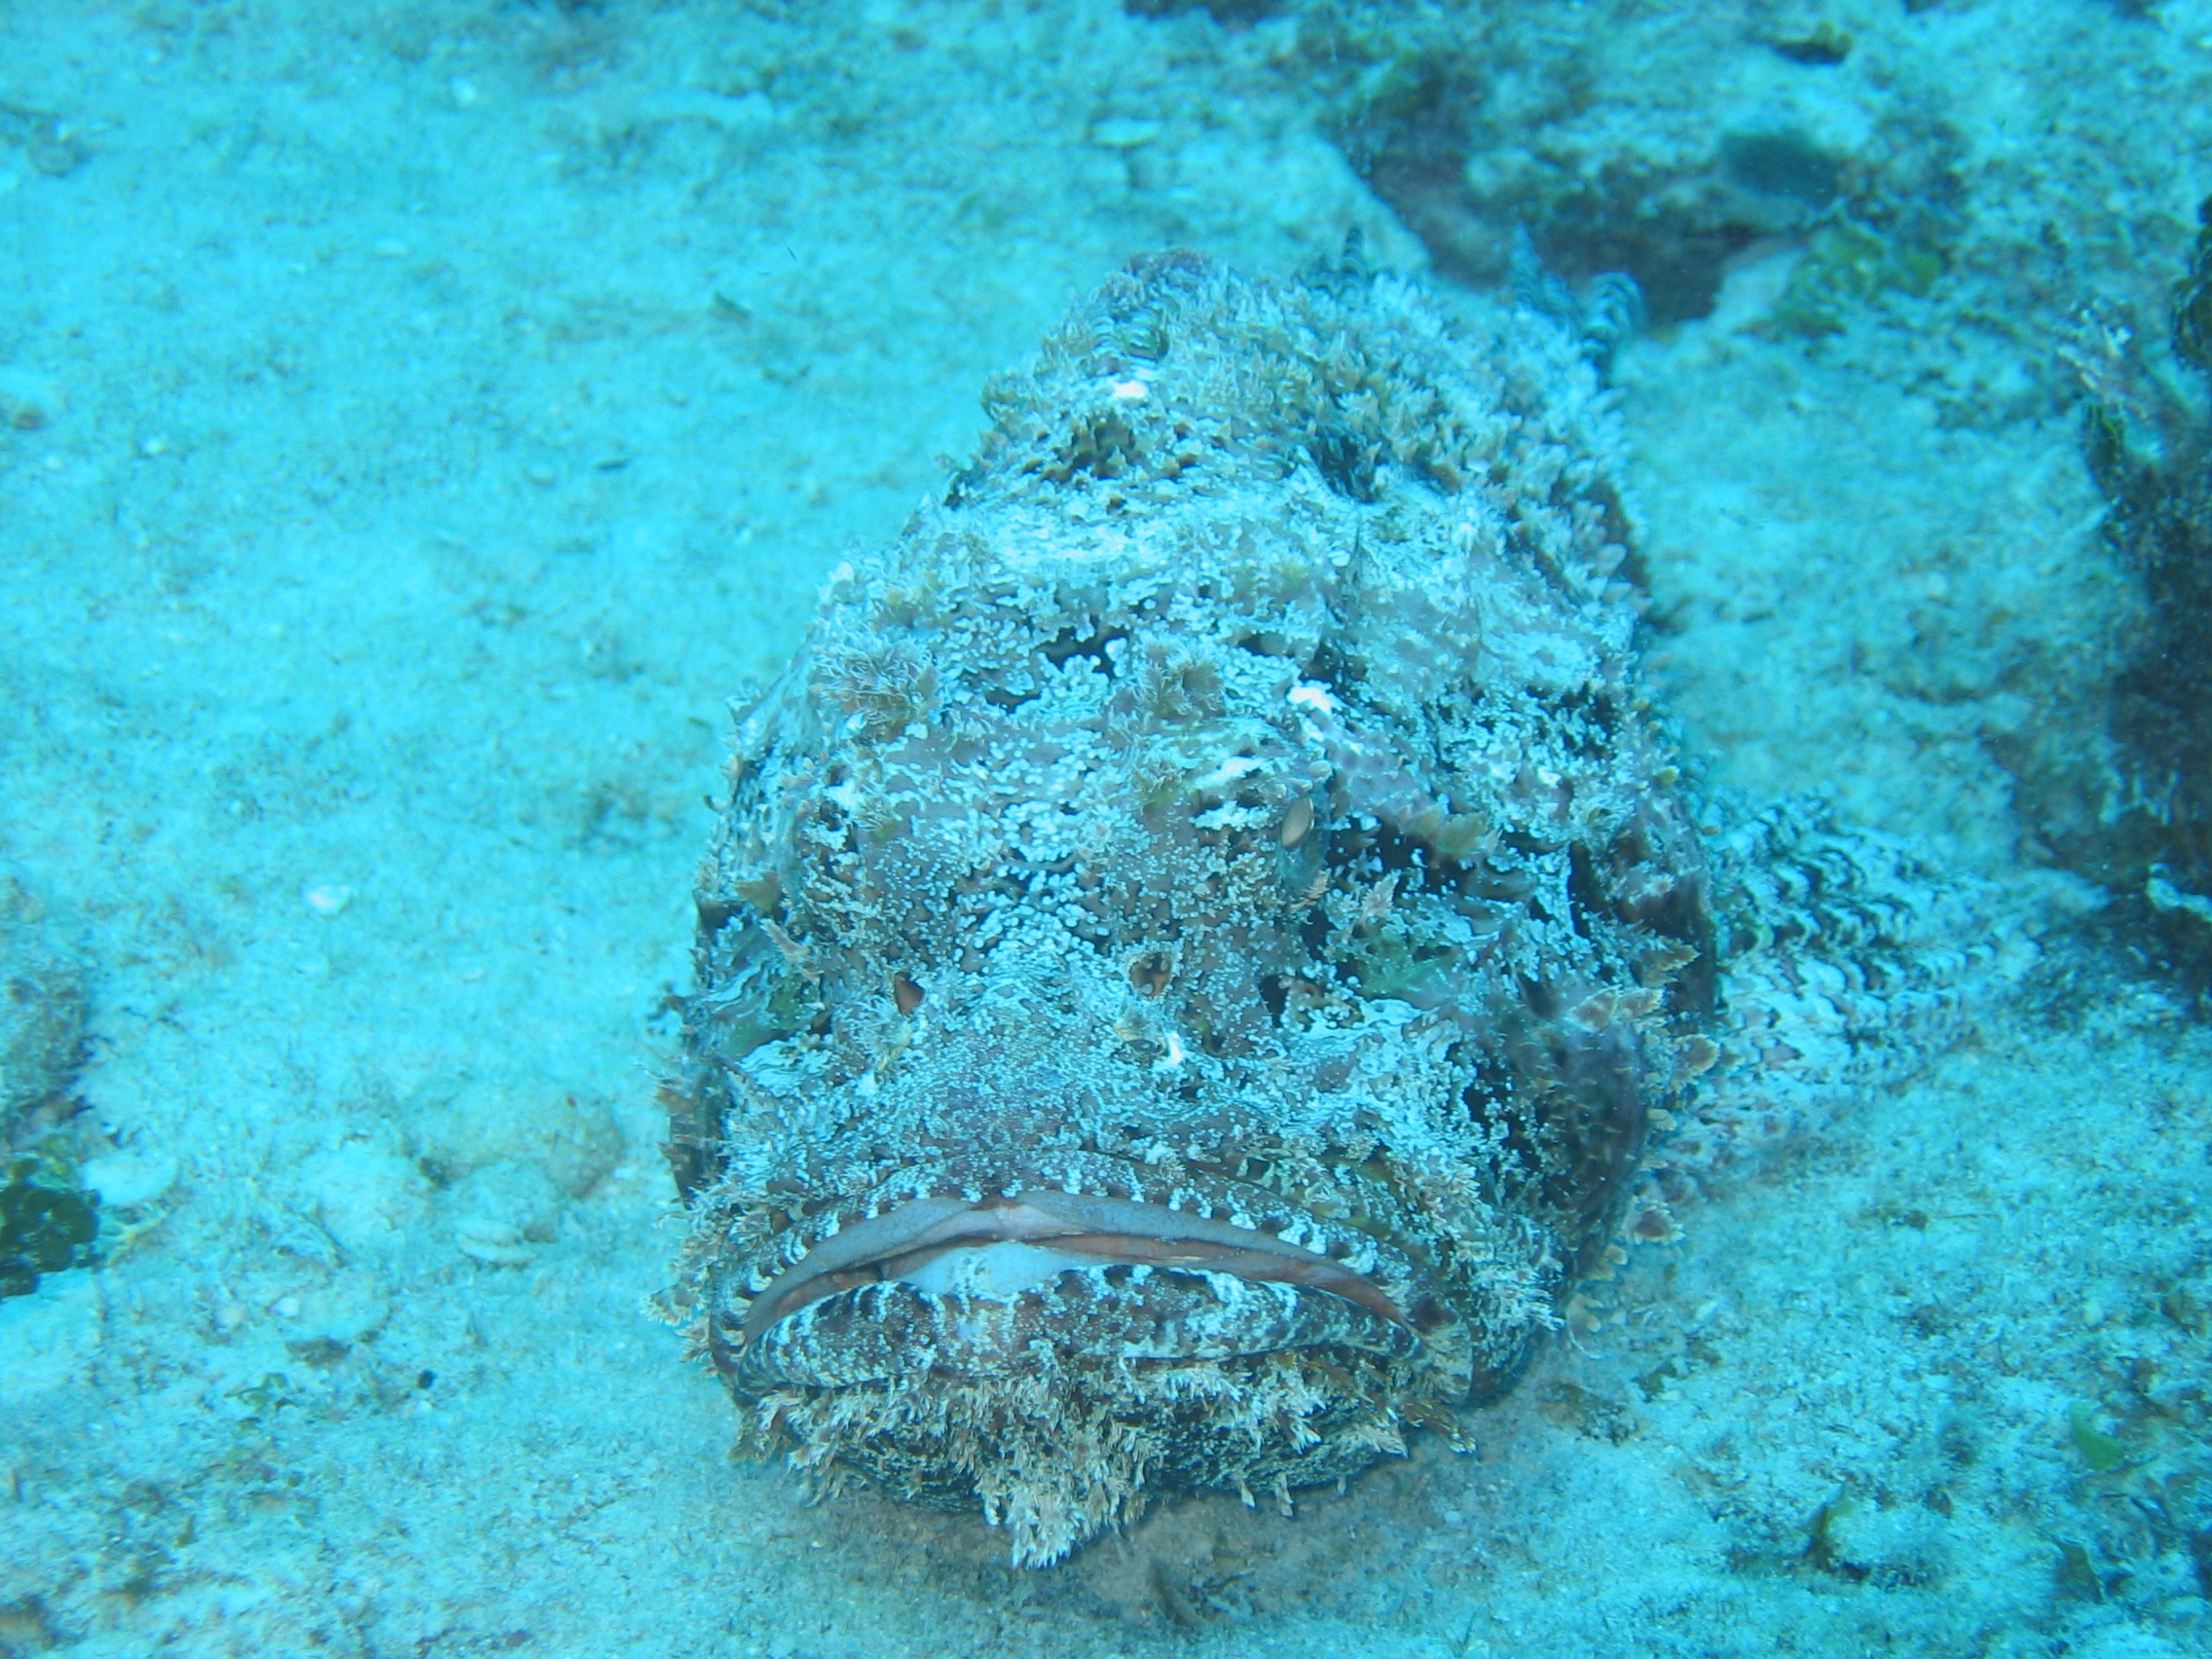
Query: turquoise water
{"points": [[421, 419]]}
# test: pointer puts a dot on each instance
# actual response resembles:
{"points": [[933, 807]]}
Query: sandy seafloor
{"points": [[426, 415]]}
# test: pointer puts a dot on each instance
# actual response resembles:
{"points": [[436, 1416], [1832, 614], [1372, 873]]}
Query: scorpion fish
{"points": [[1205, 938]]}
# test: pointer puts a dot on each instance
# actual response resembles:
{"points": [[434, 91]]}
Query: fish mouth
{"points": [[903, 1244], [975, 1281], [1047, 1341]]}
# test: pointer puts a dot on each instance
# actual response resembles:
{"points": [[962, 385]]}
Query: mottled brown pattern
{"points": [[1207, 912]]}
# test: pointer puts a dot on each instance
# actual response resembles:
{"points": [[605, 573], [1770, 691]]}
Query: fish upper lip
{"points": [[1114, 1229]]}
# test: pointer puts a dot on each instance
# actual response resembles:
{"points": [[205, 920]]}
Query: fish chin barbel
{"points": [[1200, 929]]}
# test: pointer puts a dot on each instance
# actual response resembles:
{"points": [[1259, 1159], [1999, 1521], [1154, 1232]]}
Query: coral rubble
{"points": [[2123, 793]]}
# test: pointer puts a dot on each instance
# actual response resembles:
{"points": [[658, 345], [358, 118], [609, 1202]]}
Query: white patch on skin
{"points": [[1000, 1271], [1227, 772]]}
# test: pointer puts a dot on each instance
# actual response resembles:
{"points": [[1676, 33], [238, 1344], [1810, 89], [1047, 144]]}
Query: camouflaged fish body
{"points": [[1200, 930]]}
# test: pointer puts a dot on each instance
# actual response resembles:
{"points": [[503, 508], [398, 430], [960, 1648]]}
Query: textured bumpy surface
{"points": [[1201, 932], [1845, 964], [2129, 805]]}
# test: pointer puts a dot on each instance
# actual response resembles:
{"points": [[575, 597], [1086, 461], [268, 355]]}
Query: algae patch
{"points": [[47, 1226]]}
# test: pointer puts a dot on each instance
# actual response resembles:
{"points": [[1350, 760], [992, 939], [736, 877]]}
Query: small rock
{"points": [[366, 1199], [569, 1136], [347, 1311], [28, 399], [329, 899], [1905, 1544], [1123, 131], [491, 1242], [122, 1180], [513, 1193]]}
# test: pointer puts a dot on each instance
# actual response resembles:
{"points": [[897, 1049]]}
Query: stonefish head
{"points": [[1199, 929]]}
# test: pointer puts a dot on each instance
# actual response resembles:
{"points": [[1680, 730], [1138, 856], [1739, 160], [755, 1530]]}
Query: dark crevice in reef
{"points": [[1433, 147], [1489, 130], [1229, 14], [2130, 806]]}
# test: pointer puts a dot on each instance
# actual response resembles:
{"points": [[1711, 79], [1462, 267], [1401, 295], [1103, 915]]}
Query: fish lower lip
{"points": [[905, 1240]]}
